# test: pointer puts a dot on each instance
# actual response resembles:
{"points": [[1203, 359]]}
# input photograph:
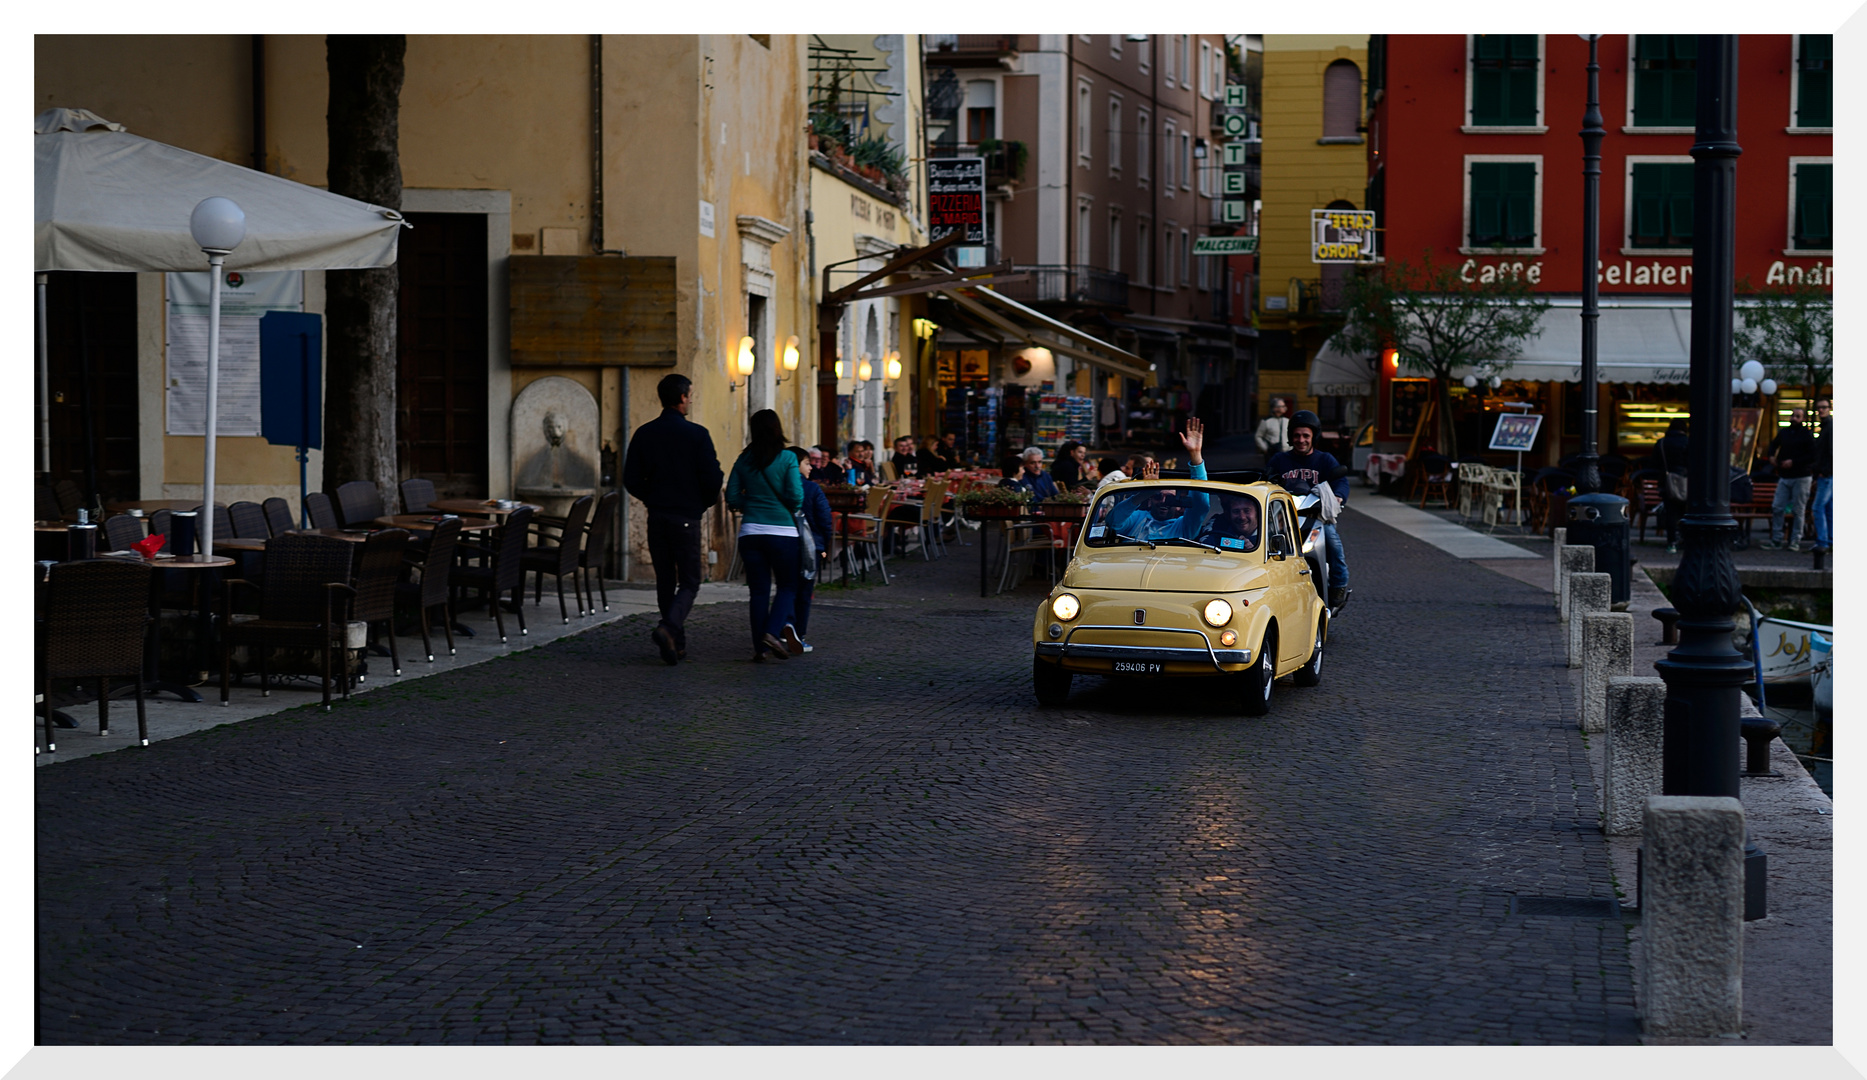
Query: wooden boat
{"points": [[1782, 653], [1821, 673]]}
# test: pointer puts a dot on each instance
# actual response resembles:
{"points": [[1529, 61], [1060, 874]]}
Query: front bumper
{"points": [[1203, 653]]}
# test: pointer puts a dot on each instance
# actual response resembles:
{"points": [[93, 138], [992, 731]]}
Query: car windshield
{"points": [[1221, 518]]}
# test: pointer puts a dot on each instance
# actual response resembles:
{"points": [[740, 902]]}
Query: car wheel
{"points": [[1050, 681], [1257, 682], [1311, 673]]}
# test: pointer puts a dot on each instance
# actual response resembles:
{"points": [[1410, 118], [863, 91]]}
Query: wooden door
{"points": [[91, 364], [441, 384]]}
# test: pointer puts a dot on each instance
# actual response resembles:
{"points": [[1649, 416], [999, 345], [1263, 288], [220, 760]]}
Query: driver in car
{"points": [[1165, 513], [1235, 526]]}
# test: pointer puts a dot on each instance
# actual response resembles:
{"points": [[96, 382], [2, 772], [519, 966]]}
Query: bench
{"points": [[1763, 493]]}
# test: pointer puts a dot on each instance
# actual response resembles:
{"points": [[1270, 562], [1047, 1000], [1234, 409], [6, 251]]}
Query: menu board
{"points": [[244, 297], [956, 198]]}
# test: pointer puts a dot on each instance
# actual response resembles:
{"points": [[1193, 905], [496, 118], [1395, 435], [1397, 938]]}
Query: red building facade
{"points": [[1475, 159]]}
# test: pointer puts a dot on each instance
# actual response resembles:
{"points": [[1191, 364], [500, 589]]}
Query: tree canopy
{"points": [[1788, 325]]}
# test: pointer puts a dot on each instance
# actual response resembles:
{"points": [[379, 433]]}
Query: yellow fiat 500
{"points": [[1185, 578]]}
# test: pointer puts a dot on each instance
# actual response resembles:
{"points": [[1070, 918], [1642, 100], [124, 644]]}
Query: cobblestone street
{"points": [[886, 841]]}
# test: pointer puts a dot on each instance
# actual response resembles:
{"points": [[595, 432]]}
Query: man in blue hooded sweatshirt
{"points": [[1302, 465]]}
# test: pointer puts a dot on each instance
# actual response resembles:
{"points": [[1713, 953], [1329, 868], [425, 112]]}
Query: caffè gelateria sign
{"points": [[1638, 273]]}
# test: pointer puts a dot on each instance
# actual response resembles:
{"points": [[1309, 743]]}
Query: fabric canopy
{"points": [[106, 200], [1635, 342], [1039, 329]]}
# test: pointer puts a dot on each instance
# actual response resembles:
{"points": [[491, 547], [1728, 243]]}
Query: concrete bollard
{"points": [[1607, 651], [1692, 917], [1576, 559], [1588, 593], [1636, 708], [1561, 536]]}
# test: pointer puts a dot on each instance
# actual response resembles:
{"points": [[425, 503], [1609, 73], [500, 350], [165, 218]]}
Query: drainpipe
{"points": [[259, 102], [596, 149]]}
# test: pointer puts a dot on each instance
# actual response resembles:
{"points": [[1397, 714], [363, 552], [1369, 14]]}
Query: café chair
{"points": [[379, 567], [305, 604], [323, 515], [359, 503], [435, 565], [562, 558], [70, 499], [499, 571], [249, 521], [417, 493], [96, 626], [595, 544], [278, 516], [122, 530], [44, 502]]}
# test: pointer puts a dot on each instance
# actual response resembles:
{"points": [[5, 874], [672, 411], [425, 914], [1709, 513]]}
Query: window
{"points": [[981, 110], [1205, 167], [1082, 122], [1083, 250], [1201, 265], [1505, 81], [1341, 100], [1166, 159], [1812, 197], [1218, 73], [1115, 240], [1501, 196], [1143, 253], [1661, 202], [1166, 61], [1205, 69], [1186, 159], [1115, 46], [1166, 263], [1143, 54], [1186, 258], [1814, 88], [1114, 135], [1141, 147], [1186, 60], [1665, 80]]}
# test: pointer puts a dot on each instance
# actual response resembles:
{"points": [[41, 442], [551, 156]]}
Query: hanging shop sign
{"points": [[1341, 236], [1225, 245], [956, 198]]}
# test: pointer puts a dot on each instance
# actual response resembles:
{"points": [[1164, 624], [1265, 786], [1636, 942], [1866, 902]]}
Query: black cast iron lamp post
{"points": [[1704, 674], [1588, 480]]}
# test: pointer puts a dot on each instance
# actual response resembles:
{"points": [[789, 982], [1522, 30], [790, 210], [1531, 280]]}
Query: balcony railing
{"points": [[1080, 286], [1004, 160], [951, 45]]}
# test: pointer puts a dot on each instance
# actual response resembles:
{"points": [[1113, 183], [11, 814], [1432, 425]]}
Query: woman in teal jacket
{"points": [[765, 487]]}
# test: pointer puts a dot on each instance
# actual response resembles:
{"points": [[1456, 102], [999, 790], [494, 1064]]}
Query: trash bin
{"points": [[1600, 521]]}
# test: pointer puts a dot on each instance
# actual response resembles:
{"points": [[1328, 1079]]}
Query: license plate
{"points": [[1139, 667]]}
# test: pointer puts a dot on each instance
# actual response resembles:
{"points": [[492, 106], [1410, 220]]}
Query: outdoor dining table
{"points": [[427, 522], [846, 503], [150, 506], [477, 507]]}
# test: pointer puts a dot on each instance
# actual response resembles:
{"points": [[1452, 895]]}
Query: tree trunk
{"points": [[1448, 431], [360, 305]]}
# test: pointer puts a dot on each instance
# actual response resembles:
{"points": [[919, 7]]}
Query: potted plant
{"points": [[994, 502], [1073, 505]]}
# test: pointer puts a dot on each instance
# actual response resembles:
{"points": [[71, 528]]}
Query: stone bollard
{"points": [[1692, 917], [1576, 559], [1561, 535], [1588, 593], [1636, 708], [1607, 651]]}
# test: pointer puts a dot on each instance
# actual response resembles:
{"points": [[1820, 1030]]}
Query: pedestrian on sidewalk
{"points": [[672, 468], [1792, 453], [1273, 434], [766, 488], [1306, 464], [817, 513], [1822, 503], [1674, 450]]}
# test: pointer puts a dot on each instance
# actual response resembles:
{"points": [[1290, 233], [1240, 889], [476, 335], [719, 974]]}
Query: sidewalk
{"points": [[1788, 957], [169, 717]]}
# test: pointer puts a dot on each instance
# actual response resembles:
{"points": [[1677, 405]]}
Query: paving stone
{"points": [[883, 842]]}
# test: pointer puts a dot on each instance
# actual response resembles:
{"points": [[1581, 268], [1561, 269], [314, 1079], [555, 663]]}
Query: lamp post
{"points": [[1589, 479], [218, 225]]}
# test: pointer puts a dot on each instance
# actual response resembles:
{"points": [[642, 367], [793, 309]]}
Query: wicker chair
{"points": [[500, 572], [595, 542], [379, 566], [122, 530], [70, 499], [359, 503], [278, 516], [322, 514], [431, 591], [223, 524], [44, 501], [417, 493], [96, 626], [562, 558], [304, 604], [249, 521]]}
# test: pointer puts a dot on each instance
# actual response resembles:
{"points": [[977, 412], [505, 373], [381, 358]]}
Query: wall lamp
{"points": [[745, 363], [894, 365], [865, 370], [790, 358]]}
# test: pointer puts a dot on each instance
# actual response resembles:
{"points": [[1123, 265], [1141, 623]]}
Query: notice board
{"points": [[244, 297], [593, 310]]}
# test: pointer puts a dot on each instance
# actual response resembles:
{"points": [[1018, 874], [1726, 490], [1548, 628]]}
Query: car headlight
{"points": [[1066, 606], [1218, 613]]}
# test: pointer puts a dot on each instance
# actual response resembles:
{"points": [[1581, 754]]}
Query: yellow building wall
{"points": [[1299, 175]]}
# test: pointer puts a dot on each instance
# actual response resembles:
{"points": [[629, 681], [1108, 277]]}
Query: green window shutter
{"points": [[1815, 202], [1504, 70], [1815, 81], [1665, 80], [1503, 204], [1679, 185], [1662, 206]]}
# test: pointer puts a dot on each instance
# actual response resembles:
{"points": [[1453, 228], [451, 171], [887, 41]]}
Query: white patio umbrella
{"points": [[106, 200]]}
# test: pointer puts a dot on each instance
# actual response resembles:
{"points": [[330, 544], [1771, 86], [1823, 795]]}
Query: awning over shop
{"points": [[1635, 343], [1041, 331], [1335, 371]]}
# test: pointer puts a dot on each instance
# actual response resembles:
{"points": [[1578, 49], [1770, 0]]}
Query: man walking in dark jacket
{"points": [[1793, 454], [673, 469]]}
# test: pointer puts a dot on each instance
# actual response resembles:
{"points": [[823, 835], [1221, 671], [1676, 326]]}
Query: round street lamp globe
{"points": [[1470, 381], [1751, 370], [1750, 386], [217, 224], [1768, 386], [1737, 385]]}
